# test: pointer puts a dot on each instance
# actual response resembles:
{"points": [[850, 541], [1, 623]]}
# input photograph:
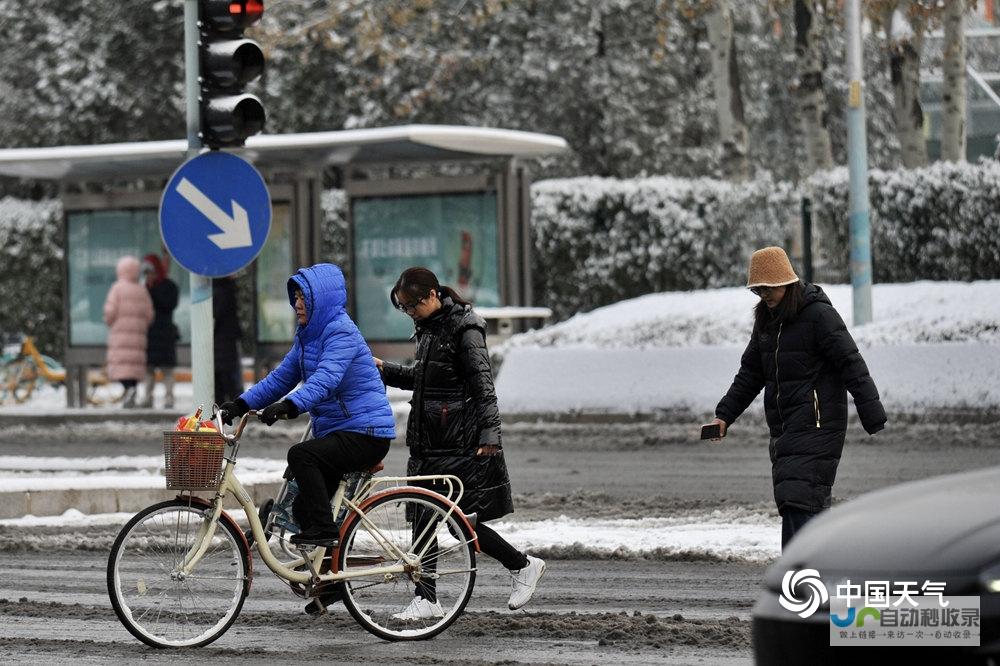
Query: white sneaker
{"points": [[420, 609], [524, 581]]}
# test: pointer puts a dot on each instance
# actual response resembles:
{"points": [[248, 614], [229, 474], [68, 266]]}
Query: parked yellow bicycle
{"points": [[24, 370], [180, 570]]}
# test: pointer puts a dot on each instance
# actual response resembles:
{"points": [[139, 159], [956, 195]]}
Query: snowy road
{"points": [[657, 607], [639, 612]]}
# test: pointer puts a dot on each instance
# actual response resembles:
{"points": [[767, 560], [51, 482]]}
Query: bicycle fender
{"points": [[205, 504], [353, 517]]}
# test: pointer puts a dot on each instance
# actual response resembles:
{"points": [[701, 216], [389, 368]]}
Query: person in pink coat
{"points": [[128, 312]]}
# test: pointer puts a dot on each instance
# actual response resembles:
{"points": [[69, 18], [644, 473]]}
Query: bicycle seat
{"points": [[376, 468]]}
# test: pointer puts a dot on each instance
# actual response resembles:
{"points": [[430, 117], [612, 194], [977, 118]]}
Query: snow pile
{"points": [[721, 534], [933, 345], [31, 474], [914, 313]]}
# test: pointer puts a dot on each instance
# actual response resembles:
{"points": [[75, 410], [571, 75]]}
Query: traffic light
{"points": [[228, 62]]}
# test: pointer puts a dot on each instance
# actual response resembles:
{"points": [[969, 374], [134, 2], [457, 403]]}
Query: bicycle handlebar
{"points": [[238, 431]]}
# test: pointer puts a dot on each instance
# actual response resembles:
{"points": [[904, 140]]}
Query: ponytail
{"points": [[418, 282], [453, 295]]}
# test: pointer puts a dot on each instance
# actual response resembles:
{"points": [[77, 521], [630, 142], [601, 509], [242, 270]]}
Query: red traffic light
{"points": [[249, 10], [230, 15]]}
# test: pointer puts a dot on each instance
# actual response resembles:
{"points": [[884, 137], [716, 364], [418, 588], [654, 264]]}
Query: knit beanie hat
{"points": [[770, 267]]}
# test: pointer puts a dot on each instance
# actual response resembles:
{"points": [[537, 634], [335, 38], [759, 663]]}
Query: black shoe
{"points": [[319, 606], [316, 537]]}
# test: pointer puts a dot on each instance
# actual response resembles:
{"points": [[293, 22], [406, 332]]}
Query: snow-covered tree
{"points": [[726, 82], [810, 66], [90, 71], [953, 129], [632, 88], [904, 23]]}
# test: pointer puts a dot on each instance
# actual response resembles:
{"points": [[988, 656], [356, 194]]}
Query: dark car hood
{"points": [[948, 524]]}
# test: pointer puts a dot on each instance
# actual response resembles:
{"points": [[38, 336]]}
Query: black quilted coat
{"points": [[454, 408], [805, 366], [161, 340]]}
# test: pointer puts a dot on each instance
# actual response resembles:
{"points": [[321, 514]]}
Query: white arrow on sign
{"points": [[235, 229]]}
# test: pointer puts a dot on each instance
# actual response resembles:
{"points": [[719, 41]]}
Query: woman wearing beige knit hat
{"points": [[802, 355]]}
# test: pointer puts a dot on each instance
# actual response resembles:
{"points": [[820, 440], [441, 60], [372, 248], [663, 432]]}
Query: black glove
{"points": [[233, 410], [285, 409]]}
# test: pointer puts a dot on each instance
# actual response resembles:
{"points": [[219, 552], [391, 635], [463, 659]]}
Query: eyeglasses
{"points": [[409, 308], [759, 291]]}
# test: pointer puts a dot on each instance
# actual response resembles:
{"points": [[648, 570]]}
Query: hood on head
{"points": [[325, 293], [812, 293], [128, 269]]}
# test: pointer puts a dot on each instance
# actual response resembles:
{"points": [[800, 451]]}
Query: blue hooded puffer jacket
{"points": [[341, 387]]}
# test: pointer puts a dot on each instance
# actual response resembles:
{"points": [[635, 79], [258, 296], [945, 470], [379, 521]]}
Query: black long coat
{"points": [[805, 366], [226, 338], [161, 339], [454, 408]]}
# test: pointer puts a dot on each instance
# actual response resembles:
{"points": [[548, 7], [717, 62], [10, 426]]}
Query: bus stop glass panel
{"points": [[275, 320], [454, 235], [95, 241]]}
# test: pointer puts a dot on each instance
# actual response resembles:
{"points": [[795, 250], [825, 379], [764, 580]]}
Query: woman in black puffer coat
{"points": [[806, 361], [454, 423], [161, 346]]}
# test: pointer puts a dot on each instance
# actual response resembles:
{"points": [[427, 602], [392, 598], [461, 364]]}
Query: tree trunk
{"points": [[733, 136], [810, 94], [904, 72], [953, 106]]}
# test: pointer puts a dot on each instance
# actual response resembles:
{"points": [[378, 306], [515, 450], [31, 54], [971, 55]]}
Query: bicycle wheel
{"points": [[157, 605], [21, 381], [445, 575], [10, 373]]}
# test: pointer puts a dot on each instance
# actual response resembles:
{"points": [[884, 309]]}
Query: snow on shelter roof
{"points": [[406, 143]]}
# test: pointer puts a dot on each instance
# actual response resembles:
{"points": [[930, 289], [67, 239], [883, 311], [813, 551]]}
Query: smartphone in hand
{"points": [[711, 431]]}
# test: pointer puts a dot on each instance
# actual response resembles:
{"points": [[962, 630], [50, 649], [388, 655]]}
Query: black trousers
{"points": [[793, 520], [490, 543], [319, 464]]}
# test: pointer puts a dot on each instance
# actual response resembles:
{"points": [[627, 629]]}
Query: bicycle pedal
{"points": [[316, 608]]}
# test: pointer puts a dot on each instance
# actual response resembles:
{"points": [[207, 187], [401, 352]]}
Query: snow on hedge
{"points": [[601, 240]]}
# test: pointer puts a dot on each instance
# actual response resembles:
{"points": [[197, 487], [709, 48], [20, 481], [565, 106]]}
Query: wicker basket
{"points": [[192, 460]]}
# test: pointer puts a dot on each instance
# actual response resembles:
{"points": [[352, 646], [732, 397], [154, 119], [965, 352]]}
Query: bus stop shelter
{"points": [[452, 198]]}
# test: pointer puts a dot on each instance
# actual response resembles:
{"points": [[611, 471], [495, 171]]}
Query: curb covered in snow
{"points": [[14, 504]]}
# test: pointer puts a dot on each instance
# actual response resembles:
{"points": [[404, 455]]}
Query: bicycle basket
{"points": [[192, 460]]}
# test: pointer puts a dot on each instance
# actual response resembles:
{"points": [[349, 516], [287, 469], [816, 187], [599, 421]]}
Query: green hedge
{"points": [[598, 241], [31, 280], [941, 222]]}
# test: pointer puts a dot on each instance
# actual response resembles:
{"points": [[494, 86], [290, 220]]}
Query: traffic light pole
{"points": [[202, 321]]}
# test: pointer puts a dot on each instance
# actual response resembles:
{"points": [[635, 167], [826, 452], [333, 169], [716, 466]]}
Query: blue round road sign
{"points": [[215, 214]]}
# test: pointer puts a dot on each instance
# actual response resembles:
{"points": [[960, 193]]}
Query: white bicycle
{"points": [[180, 570]]}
